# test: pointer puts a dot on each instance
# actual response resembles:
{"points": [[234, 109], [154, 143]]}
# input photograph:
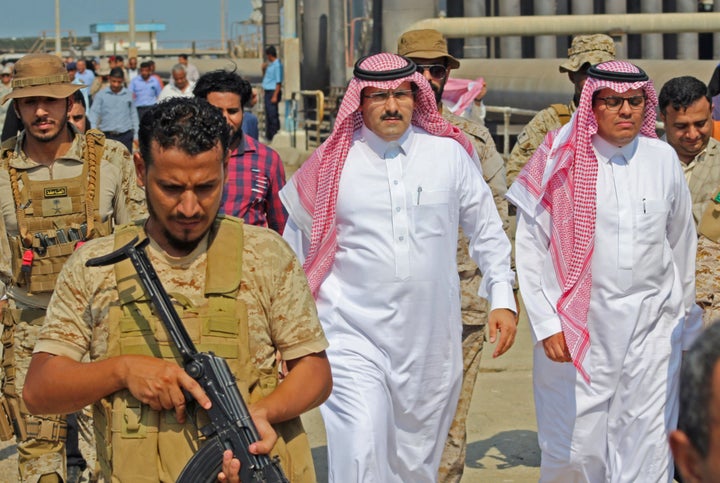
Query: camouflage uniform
{"points": [[549, 119], [281, 313], [40, 457], [703, 175], [474, 309], [707, 281]]}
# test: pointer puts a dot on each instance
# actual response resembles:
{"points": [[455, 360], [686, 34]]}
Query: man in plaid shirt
{"points": [[255, 171]]}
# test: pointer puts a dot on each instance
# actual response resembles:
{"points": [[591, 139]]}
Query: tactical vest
{"points": [[563, 113], [138, 444], [53, 216], [709, 225]]}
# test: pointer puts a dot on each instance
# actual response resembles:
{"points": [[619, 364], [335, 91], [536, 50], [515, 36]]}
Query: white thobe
{"points": [[642, 314], [390, 305]]}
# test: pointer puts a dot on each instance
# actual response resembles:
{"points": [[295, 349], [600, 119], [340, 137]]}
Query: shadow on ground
{"points": [[319, 455], [508, 449]]}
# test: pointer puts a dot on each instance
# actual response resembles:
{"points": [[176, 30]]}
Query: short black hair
{"points": [[145, 65], [223, 81], [696, 388], [270, 50], [681, 93], [183, 56], [117, 72], [191, 125], [79, 98], [119, 58]]}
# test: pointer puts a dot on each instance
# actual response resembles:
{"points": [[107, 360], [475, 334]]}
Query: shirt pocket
{"points": [[431, 213], [260, 184], [651, 221]]}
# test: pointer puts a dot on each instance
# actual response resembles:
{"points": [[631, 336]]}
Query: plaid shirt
{"points": [[255, 177]]}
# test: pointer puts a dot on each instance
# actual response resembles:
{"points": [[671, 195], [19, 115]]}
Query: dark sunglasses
{"points": [[437, 71]]}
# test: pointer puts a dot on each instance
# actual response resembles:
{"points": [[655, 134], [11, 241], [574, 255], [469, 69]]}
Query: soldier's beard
{"points": [[438, 90]]}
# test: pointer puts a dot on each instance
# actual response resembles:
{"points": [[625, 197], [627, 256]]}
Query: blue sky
{"points": [[184, 19]]}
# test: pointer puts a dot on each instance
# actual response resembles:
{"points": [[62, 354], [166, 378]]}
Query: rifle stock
{"points": [[231, 426]]}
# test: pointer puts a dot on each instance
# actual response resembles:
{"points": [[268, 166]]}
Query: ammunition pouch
{"points": [[6, 425]]}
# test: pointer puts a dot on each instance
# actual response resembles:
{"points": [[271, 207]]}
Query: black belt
{"points": [[116, 134]]}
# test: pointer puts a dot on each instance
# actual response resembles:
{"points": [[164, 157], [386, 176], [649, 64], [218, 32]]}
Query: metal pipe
{"points": [[688, 42], [337, 43], [631, 23], [652, 44], [510, 48], [475, 47], [618, 7], [545, 44]]}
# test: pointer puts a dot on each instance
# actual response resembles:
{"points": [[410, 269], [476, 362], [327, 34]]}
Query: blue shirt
{"points": [[86, 78], [273, 75], [250, 124], [145, 92], [114, 112]]}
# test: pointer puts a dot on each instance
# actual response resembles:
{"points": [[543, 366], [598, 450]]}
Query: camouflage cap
{"points": [[588, 49], [40, 75], [425, 44]]}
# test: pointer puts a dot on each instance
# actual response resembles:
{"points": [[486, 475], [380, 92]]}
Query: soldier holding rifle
{"points": [[239, 291]]}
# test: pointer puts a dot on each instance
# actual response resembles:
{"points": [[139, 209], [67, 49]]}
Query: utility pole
{"points": [[222, 23], [58, 41], [131, 22]]}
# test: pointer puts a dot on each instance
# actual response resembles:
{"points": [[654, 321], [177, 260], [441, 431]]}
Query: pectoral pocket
{"points": [[430, 213], [651, 219]]}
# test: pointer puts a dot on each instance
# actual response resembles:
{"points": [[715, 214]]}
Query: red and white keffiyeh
{"points": [[317, 181], [561, 179]]}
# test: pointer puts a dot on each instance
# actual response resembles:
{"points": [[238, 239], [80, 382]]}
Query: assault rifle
{"points": [[230, 424]]}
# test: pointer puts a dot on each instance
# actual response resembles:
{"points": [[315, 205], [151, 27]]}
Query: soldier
{"points": [[57, 188], [686, 109], [584, 51], [428, 49], [707, 281], [240, 292]]}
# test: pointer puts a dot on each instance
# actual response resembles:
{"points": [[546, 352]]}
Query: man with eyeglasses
{"points": [[374, 217], [585, 50], [605, 251], [428, 49]]}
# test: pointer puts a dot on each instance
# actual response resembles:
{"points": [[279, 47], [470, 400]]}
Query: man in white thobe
{"points": [[605, 249], [374, 217]]}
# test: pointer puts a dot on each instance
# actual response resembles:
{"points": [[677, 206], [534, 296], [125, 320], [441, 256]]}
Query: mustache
{"points": [[179, 217], [391, 115]]}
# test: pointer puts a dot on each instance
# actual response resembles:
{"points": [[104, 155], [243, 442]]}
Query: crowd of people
{"points": [[368, 283]]}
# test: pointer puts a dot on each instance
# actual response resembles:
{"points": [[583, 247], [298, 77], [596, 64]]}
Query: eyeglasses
{"points": [[383, 96], [615, 103], [437, 71]]}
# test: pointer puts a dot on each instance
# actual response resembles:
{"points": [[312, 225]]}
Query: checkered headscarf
{"points": [[316, 183], [561, 179]]}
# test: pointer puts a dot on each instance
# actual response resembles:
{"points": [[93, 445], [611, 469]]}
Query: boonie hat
{"points": [[426, 44], [41, 75], [588, 49]]}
